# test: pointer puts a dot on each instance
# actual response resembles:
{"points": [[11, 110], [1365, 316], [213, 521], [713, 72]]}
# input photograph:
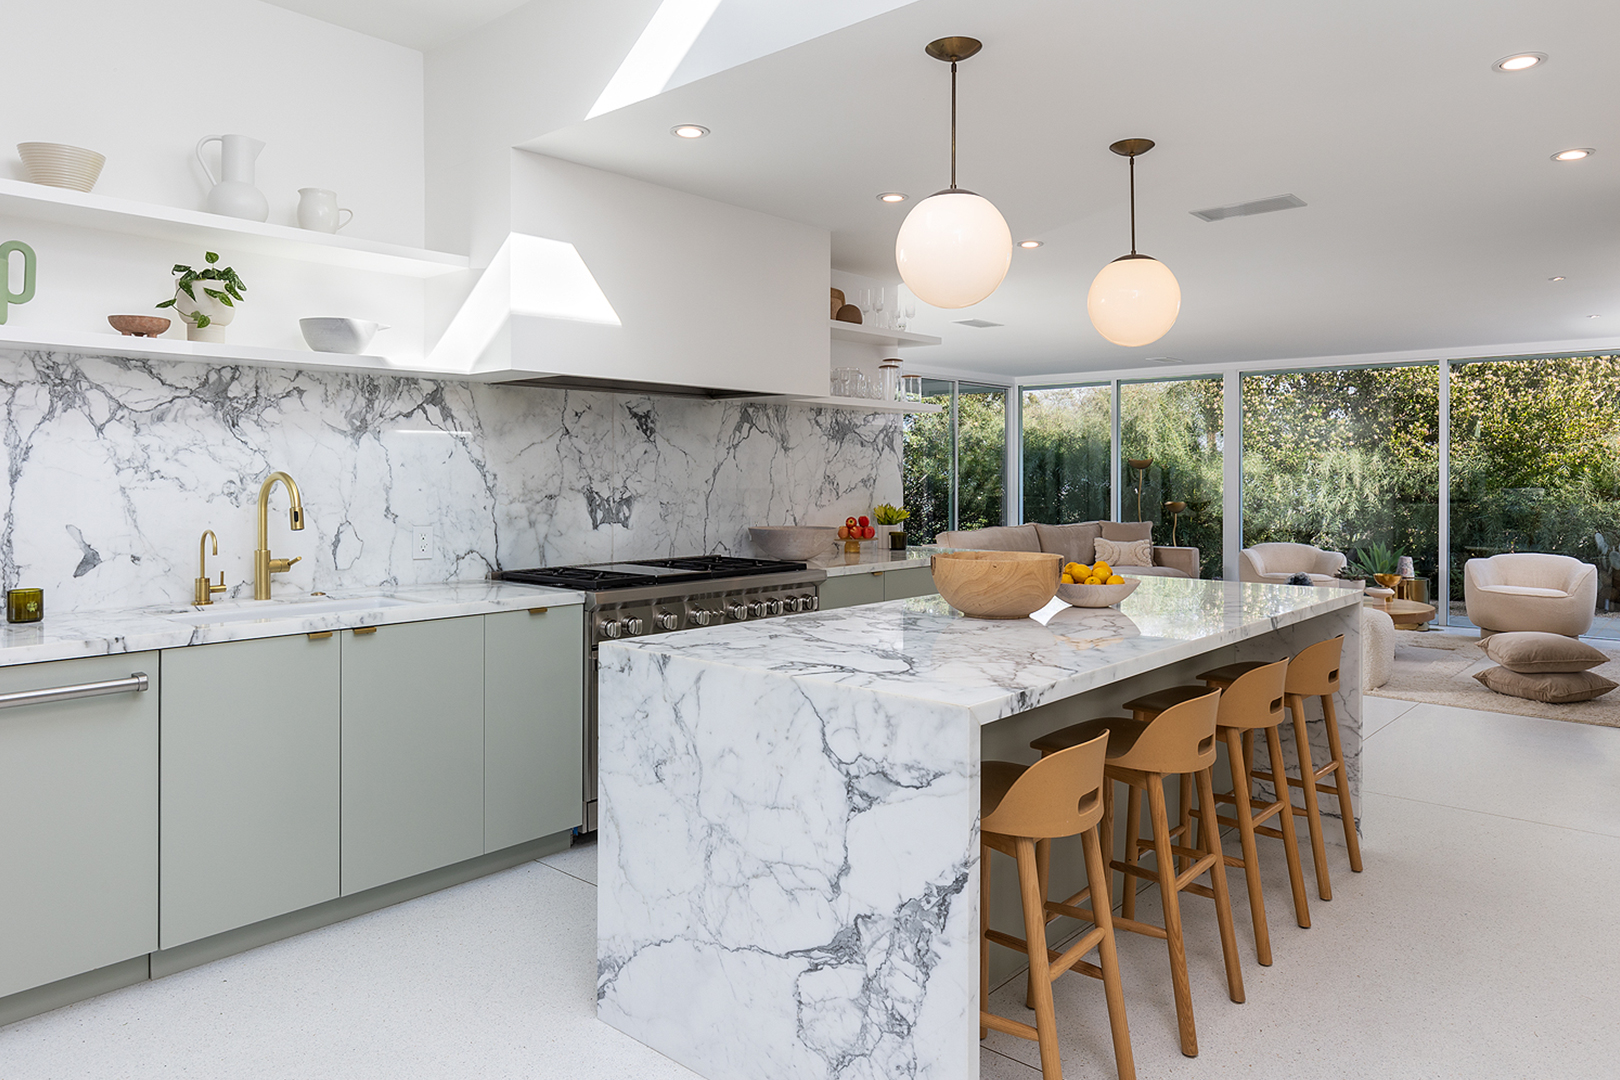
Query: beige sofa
{"points": [[1530, 591], [1274, 564], [1076, 543]]}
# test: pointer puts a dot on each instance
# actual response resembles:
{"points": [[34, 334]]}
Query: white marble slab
{"points": [[837, 564], [77, 634], [788, 854]]}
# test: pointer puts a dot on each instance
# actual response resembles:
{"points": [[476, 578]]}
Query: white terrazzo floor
{"points": [[1479, 943]]}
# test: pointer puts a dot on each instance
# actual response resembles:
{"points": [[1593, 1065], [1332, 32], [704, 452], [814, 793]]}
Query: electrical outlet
{"points": [[421, 543]]}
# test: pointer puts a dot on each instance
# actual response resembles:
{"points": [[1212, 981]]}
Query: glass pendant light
{"points": [[1135, 299], [954, 247]]}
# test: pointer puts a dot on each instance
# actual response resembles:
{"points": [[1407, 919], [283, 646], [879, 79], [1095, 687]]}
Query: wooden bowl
{"points": [[848, 313], [138, 325], [997, 584], [1097, 595]]}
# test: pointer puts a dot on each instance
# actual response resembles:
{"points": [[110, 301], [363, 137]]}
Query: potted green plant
{"points": [[1381, 562], [1352, 576], [206, 314], [892, 518]]}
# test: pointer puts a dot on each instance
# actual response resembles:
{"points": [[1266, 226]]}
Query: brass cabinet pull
{"points": [[877, 573], [364, 630], [538, 610], [320, 635]]}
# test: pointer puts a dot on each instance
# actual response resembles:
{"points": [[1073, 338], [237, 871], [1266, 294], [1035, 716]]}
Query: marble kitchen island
{"points": [[788, 855]]}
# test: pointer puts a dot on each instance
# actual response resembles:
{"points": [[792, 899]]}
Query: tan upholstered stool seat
{"points": [[1122, 735], [1227, 674], [1160, 700]]}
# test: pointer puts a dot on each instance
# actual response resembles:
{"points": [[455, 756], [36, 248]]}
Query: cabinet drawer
{"points": [[851, 589], [903, 584]]}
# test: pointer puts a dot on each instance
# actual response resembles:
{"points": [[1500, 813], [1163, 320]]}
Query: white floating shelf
{"points": [[37, 202], [868, 335], [162, 348], [854, 404]]}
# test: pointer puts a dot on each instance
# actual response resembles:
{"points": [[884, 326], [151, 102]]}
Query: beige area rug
{"points": [[1439, 668]]}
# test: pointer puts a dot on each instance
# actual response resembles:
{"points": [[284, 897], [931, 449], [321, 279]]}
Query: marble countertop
{"points": [[104, 633], [871, 560], [924, 650]]}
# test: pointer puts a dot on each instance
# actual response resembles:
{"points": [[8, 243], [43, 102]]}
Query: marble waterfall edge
{"points": [[114, 466], [828, 911]]}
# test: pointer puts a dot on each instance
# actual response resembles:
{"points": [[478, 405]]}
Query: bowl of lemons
{"points": [[1094, 586]]}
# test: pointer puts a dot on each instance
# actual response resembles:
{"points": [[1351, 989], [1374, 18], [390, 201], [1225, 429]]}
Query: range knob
{"points": [[666, 620], [774, 607], [609, 628], [800, 603], [756, 608], [736, 609], [634, 625], [701, 616]]}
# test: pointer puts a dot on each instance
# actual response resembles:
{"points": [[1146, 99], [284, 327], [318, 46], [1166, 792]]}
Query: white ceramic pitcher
{"points": [[233, 193], [318, 210]]}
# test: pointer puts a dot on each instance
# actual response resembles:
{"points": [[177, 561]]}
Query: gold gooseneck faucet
{"points": [[263, 564], [205, 590]]}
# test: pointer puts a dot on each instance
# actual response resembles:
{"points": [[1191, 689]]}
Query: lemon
{"points": [[1116, 580], [1102, 570], [1067, 580], [1076, 571], [1094, 580]]}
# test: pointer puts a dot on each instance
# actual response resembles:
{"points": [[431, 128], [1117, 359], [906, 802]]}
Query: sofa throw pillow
{"points": [[1125, 552], [1558, 687], [1074, 542], [1127, 530], [1532, 651]]}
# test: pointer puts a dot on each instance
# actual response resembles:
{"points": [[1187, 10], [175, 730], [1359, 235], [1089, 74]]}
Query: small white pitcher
{"points": [[318, 210]]}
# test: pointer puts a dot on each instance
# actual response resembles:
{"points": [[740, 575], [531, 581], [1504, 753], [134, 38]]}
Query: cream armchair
{"points": [[1274, 564], [1530, 591]]}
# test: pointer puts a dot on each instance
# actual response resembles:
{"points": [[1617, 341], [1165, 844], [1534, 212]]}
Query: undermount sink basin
{"points": [[267, 610]]}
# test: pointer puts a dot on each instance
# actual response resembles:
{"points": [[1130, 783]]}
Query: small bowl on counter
{"points": [[333, 335], [1097, 595], [138, 325], [997, 584], [794, 543]]}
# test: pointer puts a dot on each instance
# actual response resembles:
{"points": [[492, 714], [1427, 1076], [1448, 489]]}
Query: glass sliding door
{"points": [[1343, 458], [1067, 441], [955, 469], [1535, 466], [1177, 425]]}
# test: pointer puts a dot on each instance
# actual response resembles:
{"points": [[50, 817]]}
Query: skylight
{"points": [[652, 60]]}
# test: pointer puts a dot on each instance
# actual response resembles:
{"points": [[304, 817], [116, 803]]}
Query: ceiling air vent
{"points": [[977, 324], [1247, 209], [1165, 360]]}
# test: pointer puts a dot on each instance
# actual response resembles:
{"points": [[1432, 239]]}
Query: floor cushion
{"points": [[1530, 651], [1558, 687]]}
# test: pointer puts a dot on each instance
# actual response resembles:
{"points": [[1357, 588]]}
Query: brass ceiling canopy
{"points": [[1131, 147], [953, 49]]}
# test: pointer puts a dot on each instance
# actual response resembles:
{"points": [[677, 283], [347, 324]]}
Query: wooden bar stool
{"points": [[1141, 753], [1019, 806], [1315, 673], [1251, 701]]}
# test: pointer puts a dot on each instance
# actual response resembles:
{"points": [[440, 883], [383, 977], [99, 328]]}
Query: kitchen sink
{"points": [[271, 610]]}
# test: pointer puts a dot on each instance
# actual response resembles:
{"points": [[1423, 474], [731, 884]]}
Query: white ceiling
{"points": [[416, 24], [1434, 220]]}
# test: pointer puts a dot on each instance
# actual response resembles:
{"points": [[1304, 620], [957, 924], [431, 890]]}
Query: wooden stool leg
{"points": [[1184, 816], [1106, 829], [1133, 829], [1296, 871], [1307, 772], [984, 934], [1039, 965], [1251, 857], [1342, 775], [1172, 914], [1043, 874], [1223, 897], [1098, 876]]}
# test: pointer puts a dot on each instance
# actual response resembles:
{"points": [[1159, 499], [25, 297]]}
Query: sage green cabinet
{"points": [[78, 821], [851, 589], [903, 584], [534, 724], [249, 809], [413, 749]]}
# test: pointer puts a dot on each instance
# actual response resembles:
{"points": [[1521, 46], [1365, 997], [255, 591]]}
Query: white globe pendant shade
{"points": [[1134, 300], [953, 249]]}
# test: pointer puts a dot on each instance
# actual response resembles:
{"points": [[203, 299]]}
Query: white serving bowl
{"points": [[1097, 595], [58, 165], [795, 543], [339, 335]]}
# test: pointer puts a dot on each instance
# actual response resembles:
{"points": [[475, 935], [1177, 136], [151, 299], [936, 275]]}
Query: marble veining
{"points": [[838, 564], [114, 466]]}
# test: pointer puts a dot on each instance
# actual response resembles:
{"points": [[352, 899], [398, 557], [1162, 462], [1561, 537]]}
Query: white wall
{"points": [[142, 82]]}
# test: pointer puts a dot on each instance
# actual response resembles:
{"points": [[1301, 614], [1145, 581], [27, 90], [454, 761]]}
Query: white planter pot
{"points": [[219, 316]]}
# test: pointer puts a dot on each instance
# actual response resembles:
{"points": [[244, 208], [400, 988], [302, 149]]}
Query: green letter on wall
{"points": [[8, 297]]}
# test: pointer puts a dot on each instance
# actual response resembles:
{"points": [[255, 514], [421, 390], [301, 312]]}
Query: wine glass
{"points": [[877, 308]]}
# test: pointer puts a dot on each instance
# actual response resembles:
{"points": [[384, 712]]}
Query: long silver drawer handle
{"points": [[136, 683]]}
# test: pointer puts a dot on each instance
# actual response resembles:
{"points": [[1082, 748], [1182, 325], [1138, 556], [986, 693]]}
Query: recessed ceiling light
{"points": [[689, 131], [893, 196], [1523, 61], [1560, 277], [1030, 243], [1574, 153], [1591, 316]]}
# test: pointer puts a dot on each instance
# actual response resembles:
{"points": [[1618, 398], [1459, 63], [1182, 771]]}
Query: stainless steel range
{"points": [[661, 596]]}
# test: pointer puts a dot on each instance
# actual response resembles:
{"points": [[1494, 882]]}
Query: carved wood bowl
{"points": [[1097, 595], [138, 325], [997, 584]]}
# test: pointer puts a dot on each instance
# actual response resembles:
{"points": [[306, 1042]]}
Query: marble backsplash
{"points": [[114, 467]]}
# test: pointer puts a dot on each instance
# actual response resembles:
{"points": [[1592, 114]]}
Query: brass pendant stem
{"points": [[1133, 231], [953, 125]]}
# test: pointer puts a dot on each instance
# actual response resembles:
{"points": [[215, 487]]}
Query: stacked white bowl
{"points": [[61, 166]]}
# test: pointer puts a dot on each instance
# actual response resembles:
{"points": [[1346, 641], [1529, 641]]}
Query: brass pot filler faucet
{"points": [[263, 565]]}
